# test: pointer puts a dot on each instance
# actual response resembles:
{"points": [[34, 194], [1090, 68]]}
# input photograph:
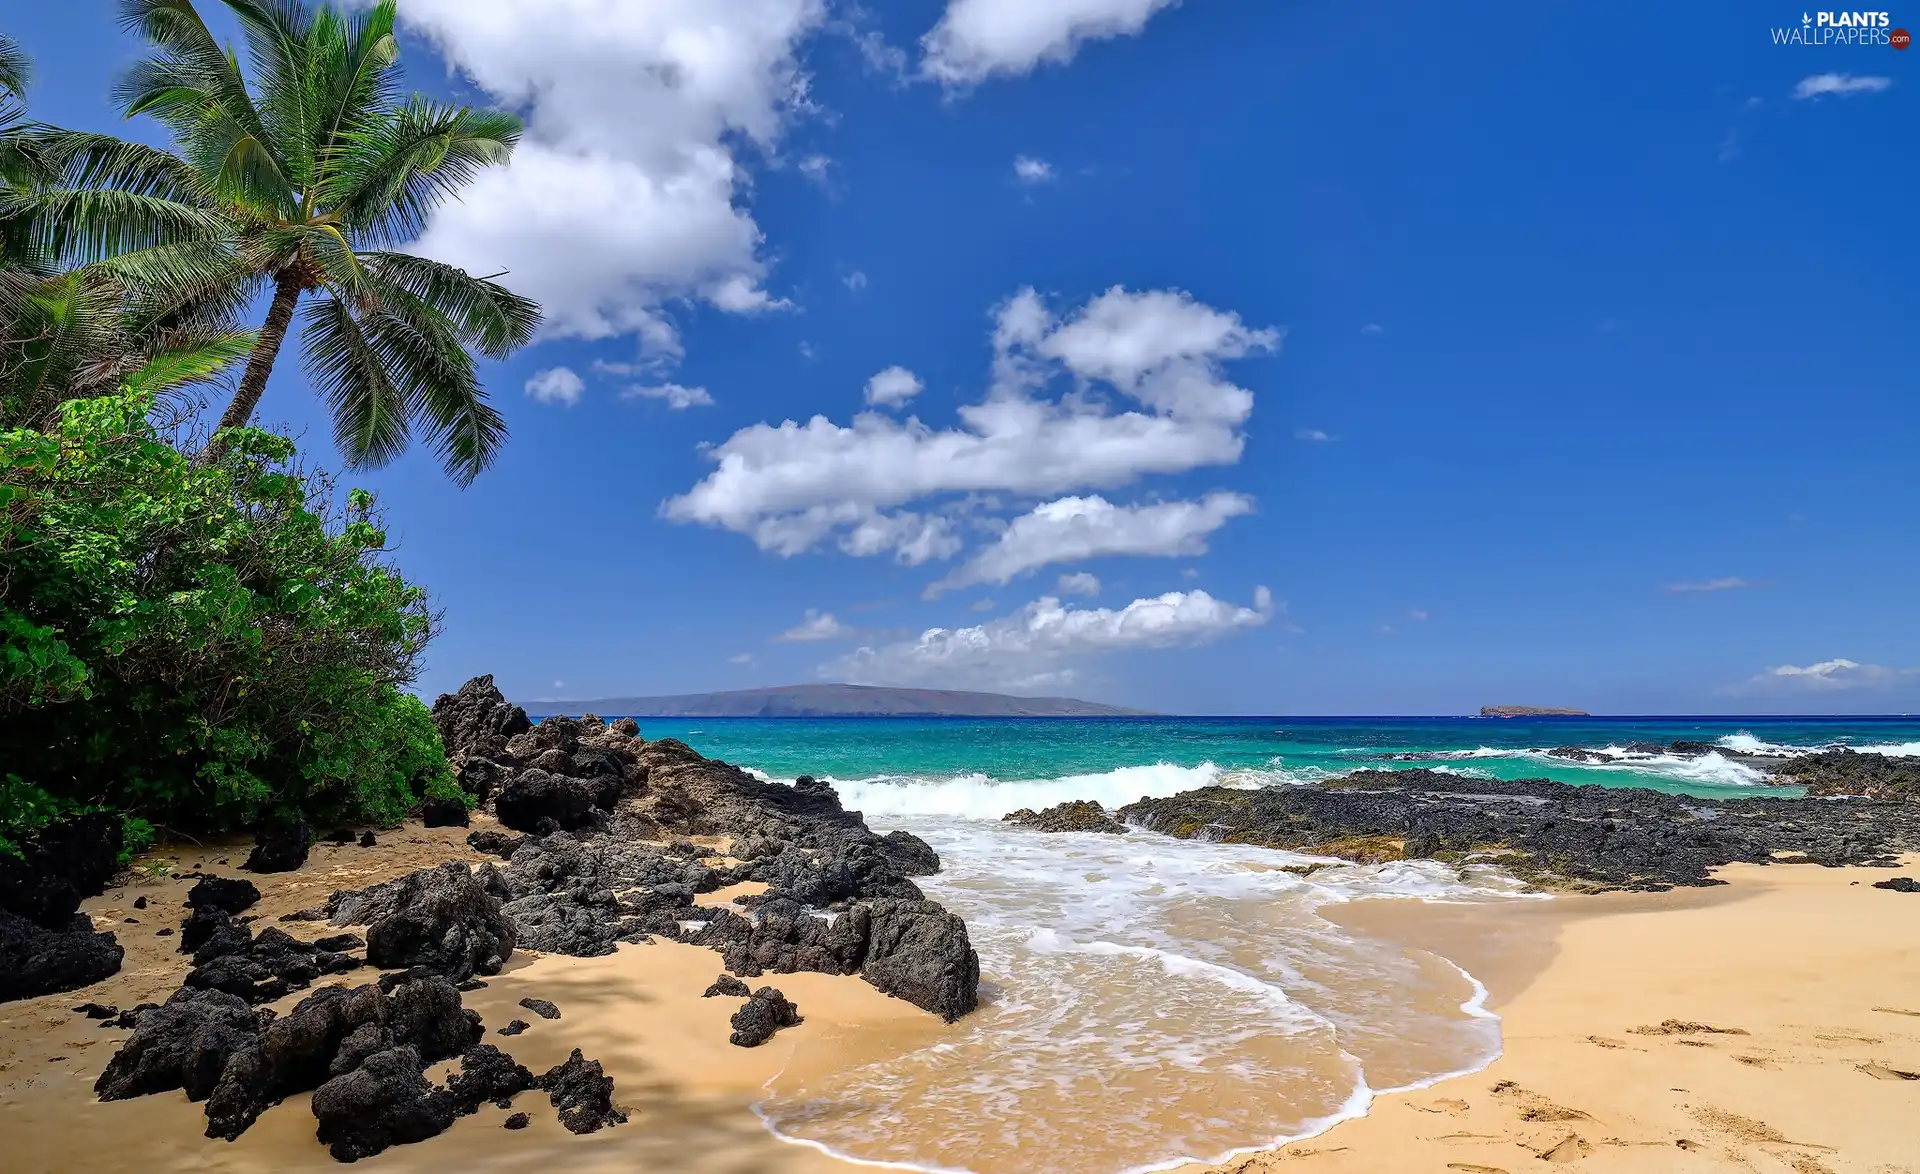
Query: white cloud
{"points": [[817, 626], [1079, 583], [1373, 328], [855, 281], [743, 659], [556, 386], [677, 397], [1843, 84], [1312, 435], [1047, 640], [893, 387], [624, 194], [791, 486], [1027, 169], [981, 605], [1828, 676], [816, 168], [1710, 585], [976, 39], [1074, 528], [1418, 615]]}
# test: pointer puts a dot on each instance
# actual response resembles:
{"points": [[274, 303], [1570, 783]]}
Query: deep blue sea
{"points": [[1148, 1000]]}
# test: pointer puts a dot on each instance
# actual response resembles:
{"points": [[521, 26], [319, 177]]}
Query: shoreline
{"points": [[1570, 978]]}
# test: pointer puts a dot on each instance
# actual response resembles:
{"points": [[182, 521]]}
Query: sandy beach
{"points": [[1772, 1023]]}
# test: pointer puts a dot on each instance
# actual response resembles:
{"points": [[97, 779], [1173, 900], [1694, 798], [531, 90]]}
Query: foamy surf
{"points": [[1194, 983]]}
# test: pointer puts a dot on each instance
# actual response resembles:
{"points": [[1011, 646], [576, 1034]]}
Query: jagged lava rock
{"points": [[35, 960], [384, 1102], [214, 892], [477, 720], [487, 1074], [280, 846], [1080, 815], [766, 1012], [442, 918], [184, 1043], [582, 1093]]}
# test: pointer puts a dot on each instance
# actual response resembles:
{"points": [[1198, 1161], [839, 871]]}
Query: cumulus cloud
{"points": [[893, 387], [1074, 528], [1821, 84], [556, 386], [1047, 641], [1027, 169], [976, 39], [1312, 435], [677, 397], [625, 193], [1711, 585], [792, 486], [855, 281], [817, 626], [1079, 583], [1838, 675]]}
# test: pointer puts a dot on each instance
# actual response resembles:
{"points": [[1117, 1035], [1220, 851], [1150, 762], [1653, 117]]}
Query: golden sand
{"points": [[1770, 1024]]}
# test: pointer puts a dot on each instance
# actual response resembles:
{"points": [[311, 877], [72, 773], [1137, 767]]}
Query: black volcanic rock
{"points": [[582, 1093], [58, 867], [1554, 833], [477, 720], [184, 1043], [487, 1074], [384, 1102], [763, 1014], [213, 892], [1083, 815], [35, 960], [1851, 772], [441, 918], [729, 986], [280, 846], [444, 813]]}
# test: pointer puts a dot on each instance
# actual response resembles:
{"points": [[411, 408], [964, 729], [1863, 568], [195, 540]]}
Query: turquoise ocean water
{"points": [[1147, 1000]]}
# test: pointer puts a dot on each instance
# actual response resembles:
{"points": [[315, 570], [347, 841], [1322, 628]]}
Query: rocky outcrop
{"points": [[228, 957], [185, 1043], [227, 895], [280, 846], [443, 919], [56, 869], [444, 813], [382, 1103], [477, 721], [919, 952], [766, 1012], [35, 960], [583, 1094], [728, 986], [487, 1074], [1850, 772], [1082, 815], [46, 945], [1553, 833]]}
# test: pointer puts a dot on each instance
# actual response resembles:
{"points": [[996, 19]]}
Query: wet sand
{"points": [[1811, 976], [1771, 1024]]}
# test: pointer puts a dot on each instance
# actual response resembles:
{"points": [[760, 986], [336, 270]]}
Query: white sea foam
{"points": [[978, 796], [1892, 749]]}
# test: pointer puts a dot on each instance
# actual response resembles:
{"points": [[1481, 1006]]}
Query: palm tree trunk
{"points": [[253, 384]]}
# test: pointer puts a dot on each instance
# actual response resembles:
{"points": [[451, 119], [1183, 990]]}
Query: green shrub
{"points": [[199, 645]]}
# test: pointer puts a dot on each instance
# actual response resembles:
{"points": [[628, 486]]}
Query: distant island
{"points": [[835, 701], [1529, 711]]}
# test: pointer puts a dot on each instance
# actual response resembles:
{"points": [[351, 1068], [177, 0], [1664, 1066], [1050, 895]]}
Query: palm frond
{"points": [[189, 362], [66, 226], [82, 159], [191, 63], [489, 317], [278, 34], [16, 68], [387, 176], [354, 78], [370, 424]]}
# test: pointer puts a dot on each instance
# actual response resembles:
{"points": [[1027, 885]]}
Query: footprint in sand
{"points": [[1684, 1027], [1534, 1107], [1470, 1168], [1570, 1148], [1606, 1042], [1748, 1129], [1882, 1072], [1755, 1061]]}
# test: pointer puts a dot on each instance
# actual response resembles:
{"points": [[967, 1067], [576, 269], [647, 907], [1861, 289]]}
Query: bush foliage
{"points": [[199, 645]]}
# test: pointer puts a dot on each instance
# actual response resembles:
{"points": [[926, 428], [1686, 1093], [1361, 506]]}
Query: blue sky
{"points": [[1359, 358]]}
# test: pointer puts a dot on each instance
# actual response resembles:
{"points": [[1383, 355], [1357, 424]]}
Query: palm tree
{"points": [[301, 183], [78, 332]]}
